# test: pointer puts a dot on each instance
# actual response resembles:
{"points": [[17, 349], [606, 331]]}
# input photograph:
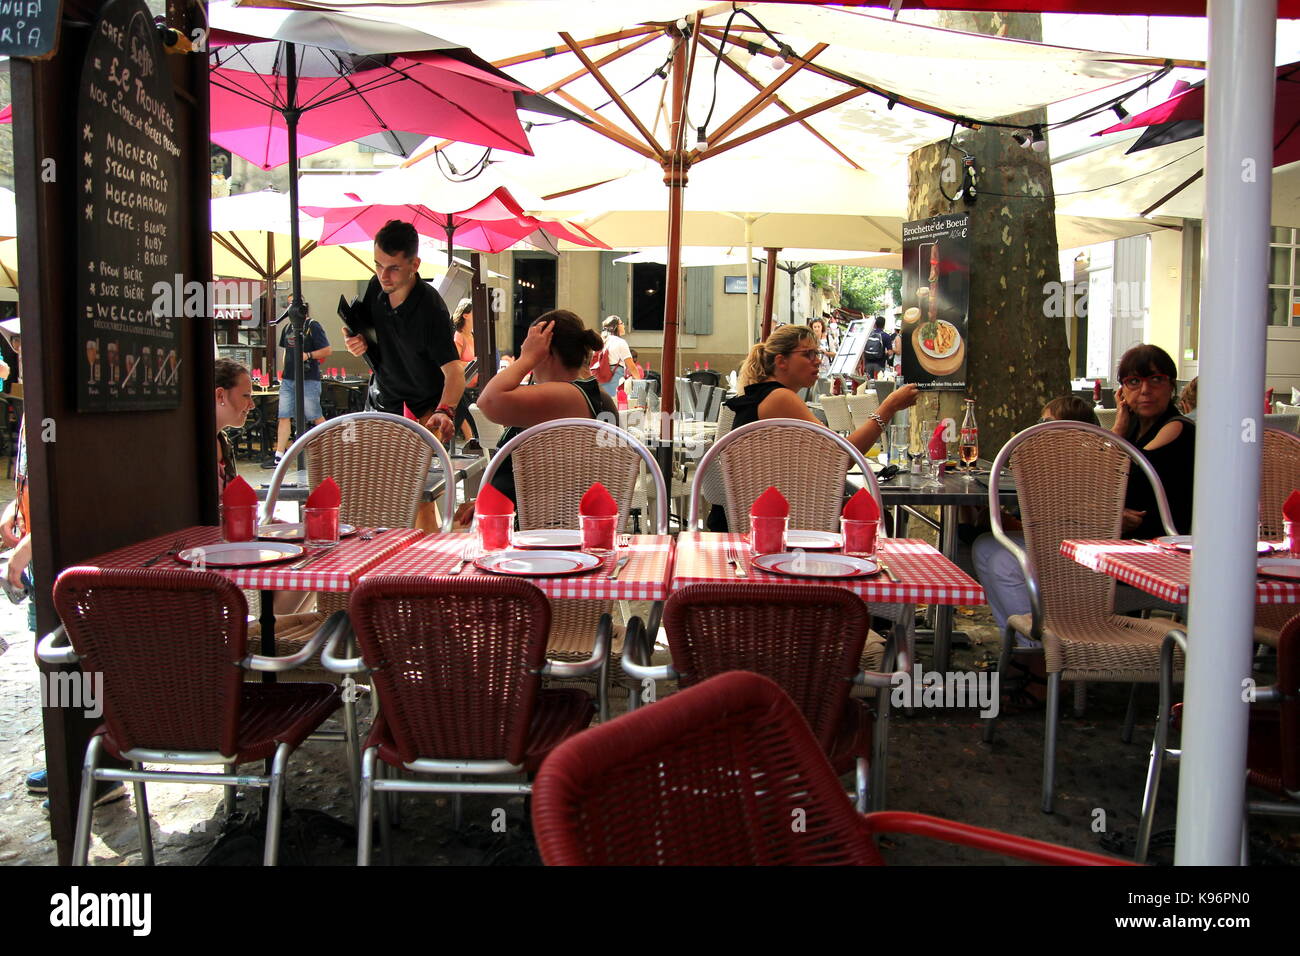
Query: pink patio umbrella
{"points": [[494, 224], [7, 115]]}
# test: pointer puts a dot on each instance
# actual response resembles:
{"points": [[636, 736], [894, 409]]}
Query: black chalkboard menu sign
{"points": [[129, 291], [29, 28]]}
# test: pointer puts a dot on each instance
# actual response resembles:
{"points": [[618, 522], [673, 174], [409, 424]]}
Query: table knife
{"points": [[619, 565], [888, 571]]}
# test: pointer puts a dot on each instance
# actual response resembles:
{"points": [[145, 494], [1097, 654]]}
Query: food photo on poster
{"points": [[936, 301]]}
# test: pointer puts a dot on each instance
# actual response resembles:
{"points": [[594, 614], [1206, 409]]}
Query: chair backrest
{"points": [[838, 417], [807, 462], [807, 639], [1288, 681], [1279, 476], [1093, 464], [883, 387], [713, 775], [705, 376], [713, 397], [685, 396], [489, 432], [1105, 416], [1288, 423], [381, 463], [861, 407], [168, 643], [456, 661], [556, 462]]}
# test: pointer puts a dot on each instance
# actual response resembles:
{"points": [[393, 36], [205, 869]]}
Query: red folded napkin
{"points": [[938, 447], [1291, 507], [492, 502], [597, 502], [238, 492], [1268, 402], [770, 504], [325, 495], [862, 507]]}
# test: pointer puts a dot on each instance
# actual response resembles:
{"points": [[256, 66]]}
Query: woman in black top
{"points": [[557, 353], [771, 376], [1148, 417]]}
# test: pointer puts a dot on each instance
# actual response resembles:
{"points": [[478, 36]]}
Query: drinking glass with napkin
{"points": [[494, 517], [238, 511], [1291, 524], [860, 523], [598, 518], [768, 519], [321, 515]]}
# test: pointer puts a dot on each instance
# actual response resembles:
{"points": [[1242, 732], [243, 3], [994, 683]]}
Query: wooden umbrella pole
{"points": [[675, 166], [769, 291]]}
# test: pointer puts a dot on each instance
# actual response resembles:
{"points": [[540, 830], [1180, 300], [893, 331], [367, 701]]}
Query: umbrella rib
{"points": [[698, 155], [524, 147], [612, 93], [225, 244], [785, 107]]}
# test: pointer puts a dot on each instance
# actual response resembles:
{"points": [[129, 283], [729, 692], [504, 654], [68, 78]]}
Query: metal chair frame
{"points": [[1026, 562], [56, 649]]}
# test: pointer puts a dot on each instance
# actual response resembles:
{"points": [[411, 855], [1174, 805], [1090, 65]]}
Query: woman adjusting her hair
{"points": [[773, 373], [557, 352]]}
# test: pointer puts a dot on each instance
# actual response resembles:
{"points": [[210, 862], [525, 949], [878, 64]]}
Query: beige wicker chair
{"points": [[1106, 417], [1072, 607], [838, 417], [554, 464], [381, 463], [1279, 476], [805, 461], [861, 407]]}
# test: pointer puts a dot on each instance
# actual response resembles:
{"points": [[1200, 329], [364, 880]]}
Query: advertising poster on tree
{"points": [[128, 218], [936, 301]]}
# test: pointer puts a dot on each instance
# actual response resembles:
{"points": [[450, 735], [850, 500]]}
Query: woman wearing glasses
{"points": [[770, 378], [1148, 417]]}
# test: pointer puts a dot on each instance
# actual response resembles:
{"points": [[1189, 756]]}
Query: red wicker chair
{"points": [[1273, 749], [807, 639], [457, 665], [171, 648], [724, 773]]}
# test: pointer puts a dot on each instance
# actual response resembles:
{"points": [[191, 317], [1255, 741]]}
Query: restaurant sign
{"points": [[128, 218], [936, 301]]}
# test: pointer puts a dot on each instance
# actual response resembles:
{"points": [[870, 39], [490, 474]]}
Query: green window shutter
{"points": [[613, 288], [699, 301]]}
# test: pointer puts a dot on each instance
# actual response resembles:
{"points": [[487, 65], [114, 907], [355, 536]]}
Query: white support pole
{"points": [[1238, 193]]}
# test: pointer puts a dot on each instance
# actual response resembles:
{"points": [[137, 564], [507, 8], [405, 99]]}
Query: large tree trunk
{"points": [[1019, 357]]}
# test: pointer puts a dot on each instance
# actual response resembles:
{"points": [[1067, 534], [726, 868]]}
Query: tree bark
{"points": [[1018, 357]]}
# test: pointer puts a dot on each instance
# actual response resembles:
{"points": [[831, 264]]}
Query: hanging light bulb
{"points": [[1122, 113], [782, 59], [1039, 143], [1022, 138]]}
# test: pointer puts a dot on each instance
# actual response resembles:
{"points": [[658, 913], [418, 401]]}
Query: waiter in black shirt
{"points": [[417, 362]]}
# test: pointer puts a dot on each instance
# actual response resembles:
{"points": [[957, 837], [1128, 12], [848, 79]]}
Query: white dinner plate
{"points": [[548, 538], [801, 565], [292, 531], [538, 563], [240, 554], [1183, 542], [813, 540], [1288, 568]]}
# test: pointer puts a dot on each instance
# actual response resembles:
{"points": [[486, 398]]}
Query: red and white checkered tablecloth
{"points": [[645, 578], [924, 575], [337, 571], [1164, 572]]}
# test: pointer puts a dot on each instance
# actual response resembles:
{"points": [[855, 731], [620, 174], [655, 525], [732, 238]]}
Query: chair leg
{"points": [[1004, 663], [385, 818], [602, 690], [1245, 838], [1130, 718], [365, 819], [1159, 745], [353, 742], [231, 791], [863, 789], [879, 765], [142, 818], [1080, 697], [1049, 740], [86, 805], [275, 810]]}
